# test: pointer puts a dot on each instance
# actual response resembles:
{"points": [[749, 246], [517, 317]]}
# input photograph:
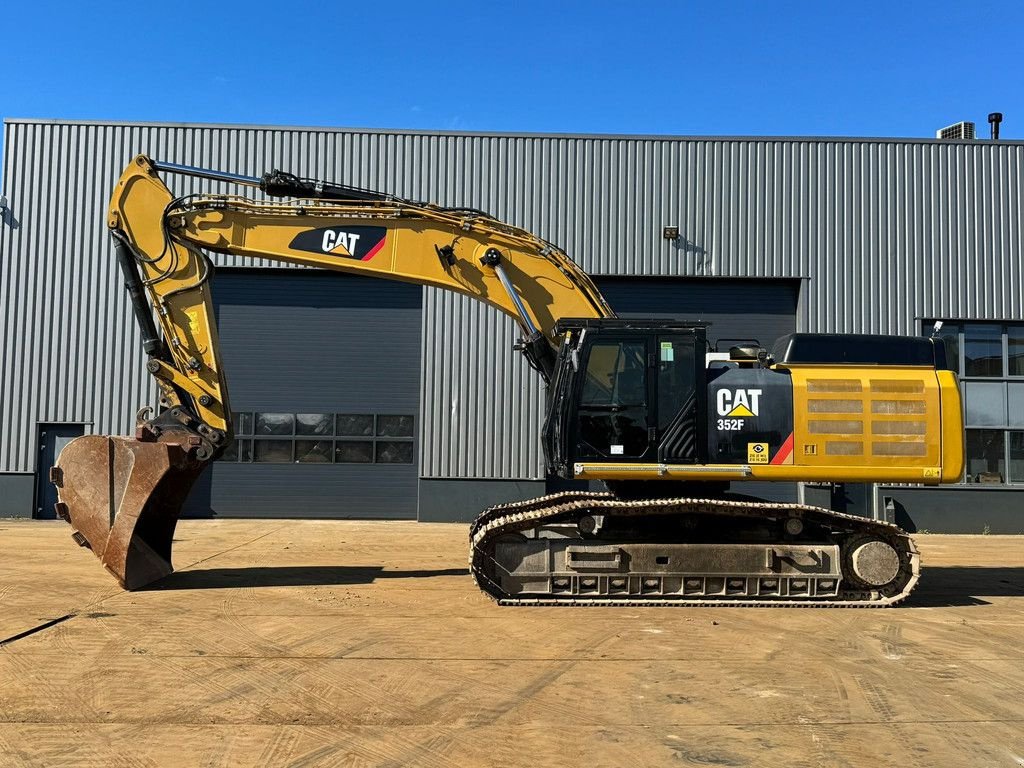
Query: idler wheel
{"points": [[875, 563]]}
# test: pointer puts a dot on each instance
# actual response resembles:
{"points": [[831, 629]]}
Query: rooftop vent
{"points": [[962, 130]]}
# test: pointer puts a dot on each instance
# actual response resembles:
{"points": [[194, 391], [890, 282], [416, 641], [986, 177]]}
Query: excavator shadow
{"points": [[946, 586], [940, 586], [290, 576]]}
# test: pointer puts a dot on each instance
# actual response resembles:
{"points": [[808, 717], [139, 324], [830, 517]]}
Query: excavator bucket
{"points": [[123, 497]]}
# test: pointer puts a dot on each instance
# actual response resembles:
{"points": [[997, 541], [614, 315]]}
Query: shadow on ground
{"points": [[943, 586], [939, 586], [291, 576]]}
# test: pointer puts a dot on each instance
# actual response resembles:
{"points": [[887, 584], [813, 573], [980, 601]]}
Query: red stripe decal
{"points": [[373, 251], [784, 451]]}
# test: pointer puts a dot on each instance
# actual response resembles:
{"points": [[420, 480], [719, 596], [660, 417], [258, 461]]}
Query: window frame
{"points": [[1006, 428], [245, 441]]}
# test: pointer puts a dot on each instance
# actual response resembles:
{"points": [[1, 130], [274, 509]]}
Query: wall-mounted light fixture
{"points": [[670, 233]]}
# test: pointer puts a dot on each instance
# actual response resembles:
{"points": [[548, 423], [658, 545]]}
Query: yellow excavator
{"points": [[639, 404]]}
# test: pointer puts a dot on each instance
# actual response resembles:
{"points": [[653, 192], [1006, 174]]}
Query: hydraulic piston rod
{"points": [[206, 173]]}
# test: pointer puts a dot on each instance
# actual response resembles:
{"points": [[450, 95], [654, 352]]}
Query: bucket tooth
{"points": [[123, 497]]}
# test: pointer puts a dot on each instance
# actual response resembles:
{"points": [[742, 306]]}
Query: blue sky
{"points": [[742, 68]]}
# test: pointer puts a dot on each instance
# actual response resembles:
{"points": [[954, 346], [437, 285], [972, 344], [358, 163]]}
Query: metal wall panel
{"points": [[887, 231]]}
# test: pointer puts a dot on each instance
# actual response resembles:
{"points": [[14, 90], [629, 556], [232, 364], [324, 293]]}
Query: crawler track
{"points": [[523, 518]]}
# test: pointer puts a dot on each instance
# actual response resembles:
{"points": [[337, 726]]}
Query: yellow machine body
{"points": [[866, 424]]}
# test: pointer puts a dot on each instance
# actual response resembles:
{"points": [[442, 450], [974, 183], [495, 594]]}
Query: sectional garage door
{"points": [[324, 378], [761, 310]]}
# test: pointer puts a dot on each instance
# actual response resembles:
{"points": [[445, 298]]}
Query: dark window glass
{"points": [[983, 349], [1015, 344], [986, 456], [245, 450], [613, 401], [243, 423], [394, 452], [231, 452], [616, 374], [394, 426], [1016, 456], [355, 424], [314, 423], [314, 451], [676, 384], [275, 424], [273, 451], [353, 451]]}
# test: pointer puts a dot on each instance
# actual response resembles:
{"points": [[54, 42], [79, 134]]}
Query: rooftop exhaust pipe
{"points": [[994, 119]]}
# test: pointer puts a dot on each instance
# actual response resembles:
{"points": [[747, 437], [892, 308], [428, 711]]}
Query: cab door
{"points": [[680, 390], [613, 415]]}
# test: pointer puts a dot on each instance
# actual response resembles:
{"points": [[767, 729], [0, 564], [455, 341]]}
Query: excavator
{"points": [[643, 405]]}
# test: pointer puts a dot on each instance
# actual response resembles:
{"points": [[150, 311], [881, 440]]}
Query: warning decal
{"points": [[757, 453]]}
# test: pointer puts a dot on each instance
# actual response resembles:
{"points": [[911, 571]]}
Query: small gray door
{"points": [[52, 438]]}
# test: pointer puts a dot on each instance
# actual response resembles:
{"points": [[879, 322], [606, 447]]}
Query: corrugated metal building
{"points": [[776, 234]]}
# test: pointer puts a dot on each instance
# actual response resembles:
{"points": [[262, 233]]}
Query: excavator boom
{"points": [[122, 495]]}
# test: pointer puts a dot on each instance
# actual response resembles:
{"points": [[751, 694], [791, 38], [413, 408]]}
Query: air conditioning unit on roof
{"points": [[961, 130]]}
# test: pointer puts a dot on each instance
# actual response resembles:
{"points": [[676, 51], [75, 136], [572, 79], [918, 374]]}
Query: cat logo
{"points": [[357, 242], [344, 242], [738, 403]]}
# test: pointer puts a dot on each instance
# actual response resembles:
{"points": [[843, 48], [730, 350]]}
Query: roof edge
{"points": [[508, 134]]}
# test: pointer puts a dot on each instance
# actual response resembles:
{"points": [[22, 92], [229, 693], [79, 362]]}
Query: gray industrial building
{"points": [[431, 413]]}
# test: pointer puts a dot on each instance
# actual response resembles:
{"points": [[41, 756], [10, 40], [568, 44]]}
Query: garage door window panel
{"points": [[394, 452], [243, 423], [275, 424], [353, 452], [355, 424], [231, 451], [314, 451], [314, 423], [394, 426], [272, 451], [322, 438]]}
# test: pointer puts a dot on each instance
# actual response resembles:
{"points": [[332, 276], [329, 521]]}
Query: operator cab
{"points": [[630, 391]]}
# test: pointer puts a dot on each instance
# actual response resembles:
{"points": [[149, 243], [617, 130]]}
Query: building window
{"points": [[986, 350], [1016, 449], [983, 350], [322, 438], [1015, 349], [986, 455], [989, 356]]}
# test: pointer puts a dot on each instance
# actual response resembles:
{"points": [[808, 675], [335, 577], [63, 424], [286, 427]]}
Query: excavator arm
{"points": [[123, 496]]}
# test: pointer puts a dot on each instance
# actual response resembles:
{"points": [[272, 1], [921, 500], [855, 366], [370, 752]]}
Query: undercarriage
{"points": [[581, 548]]}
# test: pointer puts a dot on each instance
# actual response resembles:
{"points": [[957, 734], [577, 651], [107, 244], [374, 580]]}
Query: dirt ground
{"points": [[283, 643]]}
